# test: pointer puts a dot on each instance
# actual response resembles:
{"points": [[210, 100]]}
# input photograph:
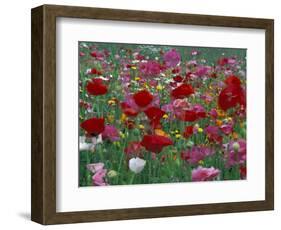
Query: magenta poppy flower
{"points": [[110, 133], [202, 70], [204, 174], [213, 134], [235, 152], [150, 68], [196, 154], [172, 58], [227, 128]]}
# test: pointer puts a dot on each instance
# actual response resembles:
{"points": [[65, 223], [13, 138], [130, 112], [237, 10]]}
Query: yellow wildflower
{"points": [[178, 136], [110, 118], [133, 67], [137, 78], [146, 85], [165, 116], [159, 87], [200, 130], [117, 143], [122, 135], [111, 102], [123, 117], [141, 127]]}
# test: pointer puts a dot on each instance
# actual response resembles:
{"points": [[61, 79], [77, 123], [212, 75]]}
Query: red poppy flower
{"points": [[188, 131], [188, 115], [176, 70], [223, 61], [243, 172], [155, 143], [231, 96], [233, 80], [178, 78], [95, 71], [154, 114], [143, 98], [182, 91], [187, 76], [128, 110], [96, 87], [93, 126]]}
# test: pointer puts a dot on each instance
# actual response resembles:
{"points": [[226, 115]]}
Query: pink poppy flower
{"points": [[172, 58], [95, 167], [204, 174], [134, 148], [98, 178]]}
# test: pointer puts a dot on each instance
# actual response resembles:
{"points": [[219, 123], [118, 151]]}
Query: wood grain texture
{"points": [[44, 113], [37, 116]]}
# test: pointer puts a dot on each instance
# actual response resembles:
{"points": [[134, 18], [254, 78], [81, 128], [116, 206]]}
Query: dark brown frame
{"points": [[43, 205]]}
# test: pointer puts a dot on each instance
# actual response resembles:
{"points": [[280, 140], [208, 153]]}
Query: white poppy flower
{"points": [[97, 140], [84, 146], [136, 165]]}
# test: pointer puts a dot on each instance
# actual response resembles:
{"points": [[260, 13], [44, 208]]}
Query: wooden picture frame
{"points": [[43, 208]]}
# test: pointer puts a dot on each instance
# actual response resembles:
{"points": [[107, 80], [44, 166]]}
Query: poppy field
{"points": [[161, 114]]}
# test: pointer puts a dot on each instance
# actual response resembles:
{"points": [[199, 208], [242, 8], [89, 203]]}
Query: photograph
{"points": [[152, 113], [146, 114]]}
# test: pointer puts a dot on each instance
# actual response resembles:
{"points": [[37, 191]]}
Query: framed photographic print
{"points": [[139, 114]]}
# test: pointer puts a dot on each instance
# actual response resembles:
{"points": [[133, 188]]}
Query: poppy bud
{"points": [[112, 173], [236, 146]]}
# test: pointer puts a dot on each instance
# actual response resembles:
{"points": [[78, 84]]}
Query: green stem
{"points": [[132, 178]]}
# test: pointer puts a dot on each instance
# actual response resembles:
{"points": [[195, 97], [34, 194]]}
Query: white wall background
{"points": [[15, 113]]}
